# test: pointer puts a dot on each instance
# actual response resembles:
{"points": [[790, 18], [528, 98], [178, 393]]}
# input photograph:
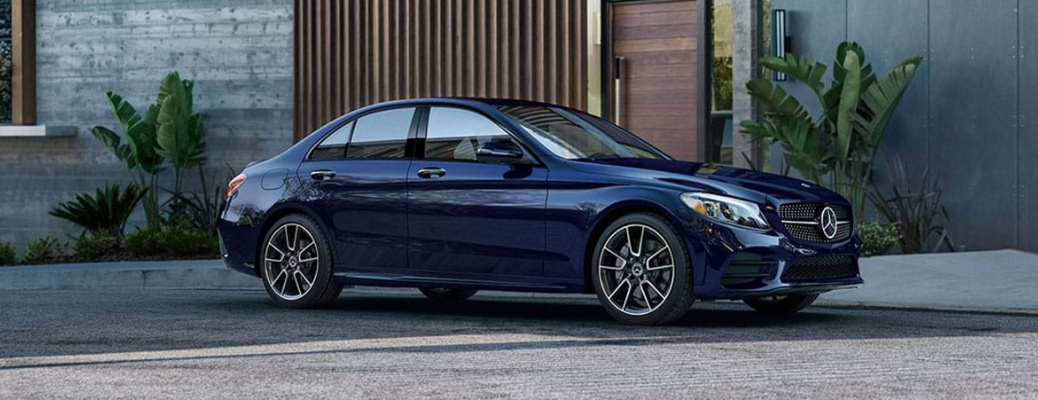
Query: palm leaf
{"points": [[775, 99], [801, 68], [880, 100], [845, 112]]}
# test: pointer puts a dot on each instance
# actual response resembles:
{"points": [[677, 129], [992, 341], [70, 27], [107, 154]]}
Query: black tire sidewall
{"points": [[324, 281], [680, 299]]}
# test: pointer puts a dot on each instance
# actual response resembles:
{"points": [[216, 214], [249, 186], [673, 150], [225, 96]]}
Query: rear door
{"points": [[468, 218], [359, 189]]}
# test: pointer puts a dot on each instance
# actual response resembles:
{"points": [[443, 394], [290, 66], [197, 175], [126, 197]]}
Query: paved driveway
{"points": [[219, 344]]}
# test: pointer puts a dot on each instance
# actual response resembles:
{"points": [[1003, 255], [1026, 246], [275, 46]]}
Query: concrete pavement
{"points": [[981, 281]]}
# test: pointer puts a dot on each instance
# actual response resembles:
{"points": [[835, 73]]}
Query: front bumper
{"points": [[741, 263]]}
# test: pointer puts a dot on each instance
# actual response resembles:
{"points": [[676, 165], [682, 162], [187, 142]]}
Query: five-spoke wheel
{"points": [[642, 271], [296, 264]]}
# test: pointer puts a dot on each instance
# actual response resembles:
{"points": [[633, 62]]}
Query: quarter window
{"points": [[456, 134], [382, 134], [334, 146]]}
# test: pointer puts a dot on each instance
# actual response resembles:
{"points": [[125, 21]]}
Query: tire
{"points": [[440, 294], [296, 264], [788, 304], [661, 268]]}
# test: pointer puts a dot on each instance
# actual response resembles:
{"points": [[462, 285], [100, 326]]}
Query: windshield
{"points": [[575, 135]]}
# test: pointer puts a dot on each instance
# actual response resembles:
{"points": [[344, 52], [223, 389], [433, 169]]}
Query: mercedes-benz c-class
{"points": [[456, 195]]}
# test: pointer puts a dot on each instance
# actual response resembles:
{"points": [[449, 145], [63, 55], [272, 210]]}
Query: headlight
{"points": [[727, 210]]}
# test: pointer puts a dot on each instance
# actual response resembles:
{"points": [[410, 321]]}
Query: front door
{"points": [[469, 219], [654, 71], [360, 190]]}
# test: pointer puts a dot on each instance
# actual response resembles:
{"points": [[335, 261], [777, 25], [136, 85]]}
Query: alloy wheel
{"points": [[291, 260], [636, 269]]}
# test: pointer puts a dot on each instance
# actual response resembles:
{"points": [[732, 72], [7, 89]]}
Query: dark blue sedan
{"points": [[455, 195]]}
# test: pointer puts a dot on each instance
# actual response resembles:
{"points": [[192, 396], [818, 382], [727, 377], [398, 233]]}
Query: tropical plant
{"points": [[42, 249], [878, 237], [913, 207], [179, 131], [169, 130], [105, 213], [7, 253], [136, 149], [837, 148]]}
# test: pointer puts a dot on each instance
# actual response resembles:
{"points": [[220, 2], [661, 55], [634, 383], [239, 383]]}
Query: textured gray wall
{"points": [[967, 112], [239, 52]]}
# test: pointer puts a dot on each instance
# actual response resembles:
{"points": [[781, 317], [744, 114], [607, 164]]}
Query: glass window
{"points": [[455, 134], [382, 134], [576, 135], [334, 146]]}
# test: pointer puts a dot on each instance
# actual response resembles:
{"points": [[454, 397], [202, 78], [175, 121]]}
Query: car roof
{"points": [[466, 100]]}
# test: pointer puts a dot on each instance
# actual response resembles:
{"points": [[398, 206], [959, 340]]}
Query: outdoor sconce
{"points": [[781, 41]]}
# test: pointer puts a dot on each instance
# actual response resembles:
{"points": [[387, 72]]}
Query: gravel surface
{"points": [[221, 344]]}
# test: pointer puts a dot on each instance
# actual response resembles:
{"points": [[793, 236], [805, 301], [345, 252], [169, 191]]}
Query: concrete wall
{"points": [[239, 52], [969, 112]]}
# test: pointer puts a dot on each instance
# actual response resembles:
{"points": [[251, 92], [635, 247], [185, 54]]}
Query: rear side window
{"points": [[455, 134], [381, 135], [334, 146]]}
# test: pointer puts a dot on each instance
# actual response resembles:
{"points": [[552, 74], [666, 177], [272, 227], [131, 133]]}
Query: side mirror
{"points": [[499, 152]]}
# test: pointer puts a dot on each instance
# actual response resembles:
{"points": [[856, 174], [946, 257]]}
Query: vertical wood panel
{"points": [[349, 54]]}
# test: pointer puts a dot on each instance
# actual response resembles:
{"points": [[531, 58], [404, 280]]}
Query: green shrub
{"points": [[7, 255], [878, 238], [178, 240], [91, 246], [146, 241], [42, 250], [191, 242]]}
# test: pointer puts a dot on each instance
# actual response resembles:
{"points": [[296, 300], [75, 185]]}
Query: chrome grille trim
{"points": [[801, 221]]}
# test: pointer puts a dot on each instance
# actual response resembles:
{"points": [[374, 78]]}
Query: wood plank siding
{"points": [[349, 54], [658, 41]]}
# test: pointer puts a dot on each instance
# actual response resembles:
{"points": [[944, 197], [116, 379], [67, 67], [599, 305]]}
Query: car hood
{"points": [[743, 183]]}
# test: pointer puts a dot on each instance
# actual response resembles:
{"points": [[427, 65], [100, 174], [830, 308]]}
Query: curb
{"points": [[201, 274]]}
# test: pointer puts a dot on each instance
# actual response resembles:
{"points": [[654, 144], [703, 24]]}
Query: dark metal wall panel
{"points": [[355, 53], [907, 135], [1027, 151], [965, 115], [973, 97]]}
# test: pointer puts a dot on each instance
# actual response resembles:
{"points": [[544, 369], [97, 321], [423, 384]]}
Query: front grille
{"points": [[803, 221], [821, 268]]}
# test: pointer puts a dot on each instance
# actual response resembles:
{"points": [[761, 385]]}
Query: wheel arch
{"points": [[611, 214]]}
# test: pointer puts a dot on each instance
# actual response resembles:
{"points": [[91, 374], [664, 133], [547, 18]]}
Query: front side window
{"points": [[381, 135], [574, 135], [456, 134]]}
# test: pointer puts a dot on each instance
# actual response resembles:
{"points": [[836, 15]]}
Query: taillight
{"points": [[235, 183]]}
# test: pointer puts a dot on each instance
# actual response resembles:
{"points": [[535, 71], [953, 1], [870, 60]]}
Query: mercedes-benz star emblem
{"points": [[828, 221]]}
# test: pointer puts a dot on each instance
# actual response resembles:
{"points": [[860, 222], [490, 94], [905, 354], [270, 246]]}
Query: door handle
{"points": [[431, 172], [322, 174]]}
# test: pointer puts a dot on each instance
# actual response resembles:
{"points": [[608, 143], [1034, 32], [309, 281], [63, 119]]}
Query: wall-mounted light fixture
{"points": [[780, 39]]}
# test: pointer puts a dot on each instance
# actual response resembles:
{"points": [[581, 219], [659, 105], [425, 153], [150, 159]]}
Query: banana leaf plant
{"points": [[179, 131], [136, 149], [170, 131], [837, 148]]}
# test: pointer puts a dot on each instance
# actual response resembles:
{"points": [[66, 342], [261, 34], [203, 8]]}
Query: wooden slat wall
{"points": [[352, 53]]}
